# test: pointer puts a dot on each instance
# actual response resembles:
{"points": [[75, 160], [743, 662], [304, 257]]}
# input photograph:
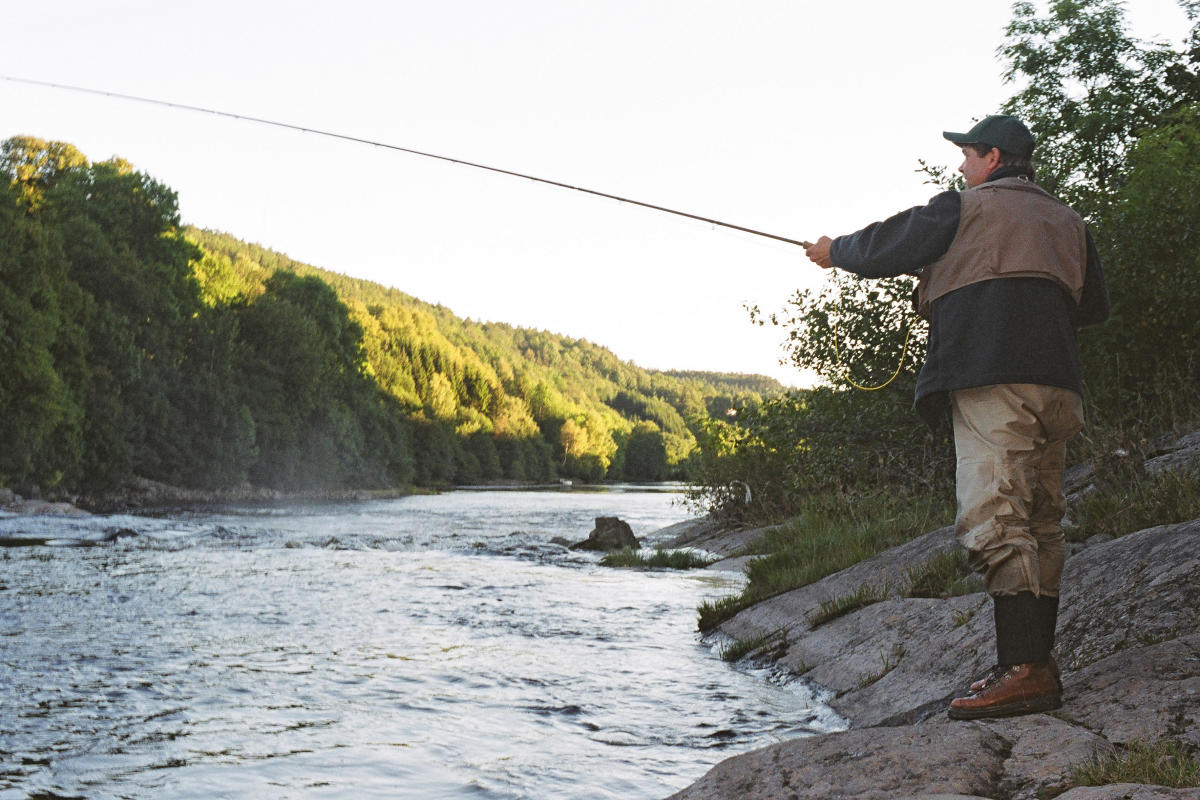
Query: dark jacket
{"points": [[1008, 330]]}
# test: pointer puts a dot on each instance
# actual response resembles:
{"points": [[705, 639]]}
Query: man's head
{"points": [[996, 141]]}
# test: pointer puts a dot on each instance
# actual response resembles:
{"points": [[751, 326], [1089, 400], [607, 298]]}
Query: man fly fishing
{"points": [[1007, 275]]}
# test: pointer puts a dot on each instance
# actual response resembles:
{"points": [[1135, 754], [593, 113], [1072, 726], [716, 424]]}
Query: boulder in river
{"points": [[610, 533]]}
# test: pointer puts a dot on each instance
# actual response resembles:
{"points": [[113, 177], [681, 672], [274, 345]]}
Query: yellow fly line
{"points": [[846, 373]]}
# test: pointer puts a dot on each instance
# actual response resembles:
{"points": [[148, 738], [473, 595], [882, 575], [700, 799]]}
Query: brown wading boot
{"points": [[1020, 689], [995, 672]]}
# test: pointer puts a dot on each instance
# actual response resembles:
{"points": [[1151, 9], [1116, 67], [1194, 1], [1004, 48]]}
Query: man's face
{"points": [[975, 168]]}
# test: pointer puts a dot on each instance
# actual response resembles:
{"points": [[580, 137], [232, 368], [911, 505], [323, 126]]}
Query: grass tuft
{"points": [[1136, 502], [664, 559], [963, 617], [1159, 763], [863, 596], [888, 662], [945, 575], [738, 649]]}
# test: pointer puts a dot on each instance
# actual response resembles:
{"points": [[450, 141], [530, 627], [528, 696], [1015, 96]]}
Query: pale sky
{"points": [[795, 117]]}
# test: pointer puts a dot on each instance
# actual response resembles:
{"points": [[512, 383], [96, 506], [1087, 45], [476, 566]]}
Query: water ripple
{"points": [[425, 647]]}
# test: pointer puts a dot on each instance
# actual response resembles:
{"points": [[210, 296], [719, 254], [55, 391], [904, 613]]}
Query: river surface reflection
{"points": [[424, 647]]}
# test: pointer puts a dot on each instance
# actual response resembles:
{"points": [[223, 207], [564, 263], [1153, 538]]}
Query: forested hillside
{"points": [[132, 346]]}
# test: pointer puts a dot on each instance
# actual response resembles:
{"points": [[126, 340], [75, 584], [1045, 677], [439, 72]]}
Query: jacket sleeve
{"points": [[1094, 305], [903, 243]]}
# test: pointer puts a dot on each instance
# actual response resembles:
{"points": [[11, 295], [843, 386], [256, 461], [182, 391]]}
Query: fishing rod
{"points": [[385, 145], [360, 140]]}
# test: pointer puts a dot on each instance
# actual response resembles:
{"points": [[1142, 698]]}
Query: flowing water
{"points": [[422, 647]]}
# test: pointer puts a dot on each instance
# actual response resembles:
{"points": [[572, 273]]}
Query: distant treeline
{"points": [[130, 346]]}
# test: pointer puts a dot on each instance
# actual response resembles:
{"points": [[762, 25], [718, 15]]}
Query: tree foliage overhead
{"points": [[1088, 89], [134, 347]]}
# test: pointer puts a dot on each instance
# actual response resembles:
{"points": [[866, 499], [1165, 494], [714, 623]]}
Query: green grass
{"points": [[863, 596], [834, 532], [888, 662], [740, 648], [668, 559], [963, 617], [1128, 502], [1160, 763], [945, 575]]}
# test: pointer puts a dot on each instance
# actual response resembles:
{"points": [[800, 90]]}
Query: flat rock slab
{"points": [[868, 764], [791, 611], [708, 535], [901, 660], [1141, 694], [1129, 644], [1023, 759]]}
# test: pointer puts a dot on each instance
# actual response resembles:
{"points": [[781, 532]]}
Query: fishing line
{"points": [[846, 372], [372, 142]]}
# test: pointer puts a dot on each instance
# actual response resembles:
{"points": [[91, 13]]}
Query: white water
{"points": [[423, 647]]}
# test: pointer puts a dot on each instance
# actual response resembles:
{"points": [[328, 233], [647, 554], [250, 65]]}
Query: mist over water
{"points": [[425, 647]]}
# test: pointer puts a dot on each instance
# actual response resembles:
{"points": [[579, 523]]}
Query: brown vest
{"points": [[1009, 228]]}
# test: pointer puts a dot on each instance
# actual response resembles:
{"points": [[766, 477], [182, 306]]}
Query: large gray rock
{"points": [[1182, 455], [610, 533], [902, 659], [710, 536], [1139, 694], [1017, 759], [1129, 645]]}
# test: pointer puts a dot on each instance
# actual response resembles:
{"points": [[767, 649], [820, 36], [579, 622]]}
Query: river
{"points": [[421, 647]]}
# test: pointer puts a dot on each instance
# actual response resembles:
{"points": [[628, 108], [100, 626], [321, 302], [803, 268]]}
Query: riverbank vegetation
{"points": [[854, 472], [133, 346], [1164, 762], [659, 559]]}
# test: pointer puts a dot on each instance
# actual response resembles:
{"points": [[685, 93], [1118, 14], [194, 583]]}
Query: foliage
{"points": [[812, 442], [1149, 241], [1087, 89], [1160, 763], [134, 347], [837, 436]]}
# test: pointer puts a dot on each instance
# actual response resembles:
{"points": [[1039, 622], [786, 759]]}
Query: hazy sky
{"points": [[795, 117]]}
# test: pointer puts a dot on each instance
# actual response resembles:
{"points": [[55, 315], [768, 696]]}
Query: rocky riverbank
{"points": [[1128, 644]]}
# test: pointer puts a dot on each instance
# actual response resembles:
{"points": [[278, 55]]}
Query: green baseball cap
{"points": [[998, 130]]}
